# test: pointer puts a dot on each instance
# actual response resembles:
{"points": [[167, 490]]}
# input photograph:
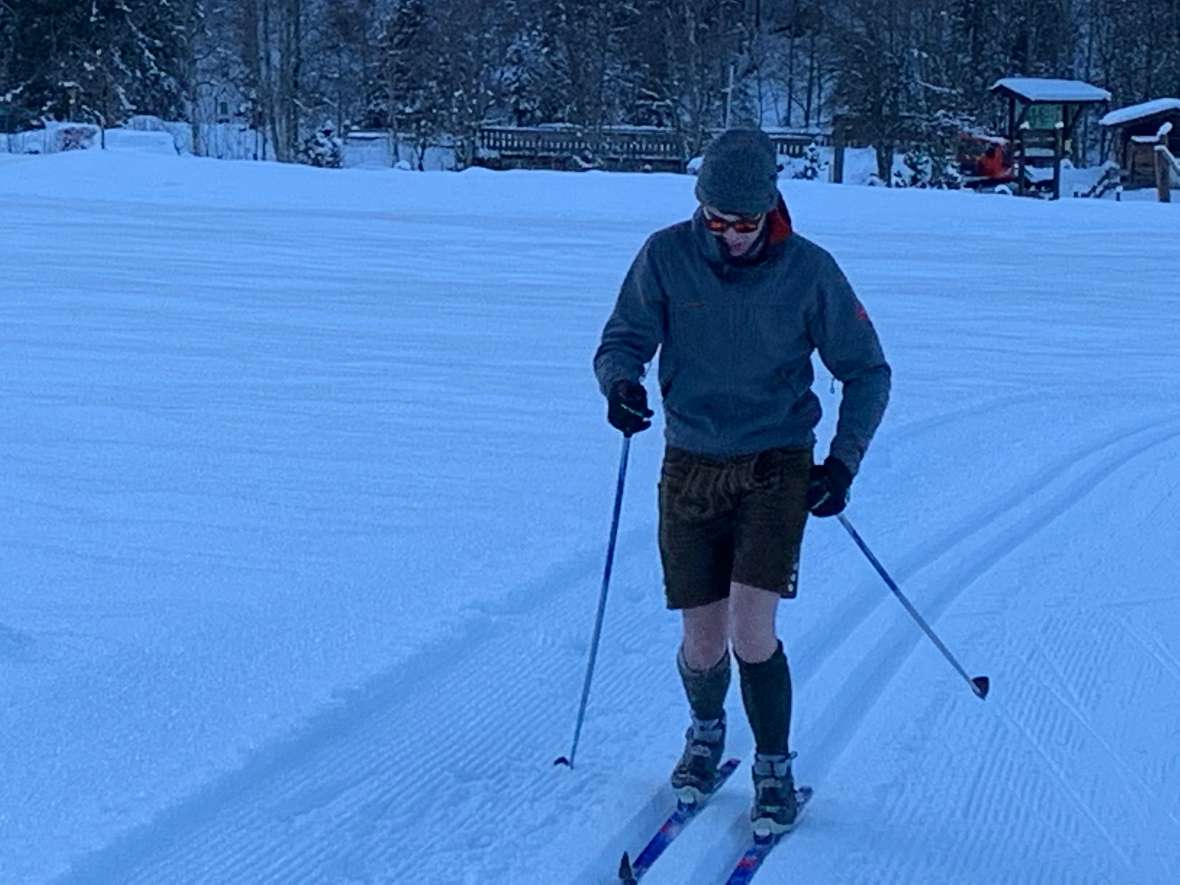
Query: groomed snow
{"points": [[305, 498]]}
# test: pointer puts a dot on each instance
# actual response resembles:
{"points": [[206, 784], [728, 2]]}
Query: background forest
{"points": [[904, 72]]}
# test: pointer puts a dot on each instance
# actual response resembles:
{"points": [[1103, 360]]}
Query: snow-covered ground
{"points": [[306, 486]]}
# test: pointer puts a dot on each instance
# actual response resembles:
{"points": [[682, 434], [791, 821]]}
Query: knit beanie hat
{"points": [[739, 173]]}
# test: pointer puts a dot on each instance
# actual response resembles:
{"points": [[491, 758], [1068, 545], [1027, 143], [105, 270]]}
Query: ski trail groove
{"points": [[346, 762], [921, 427], [823, 640], [853, 613], [1152, 647], [353, 760], [1067, 790], [1069, 701], [835, 728]]}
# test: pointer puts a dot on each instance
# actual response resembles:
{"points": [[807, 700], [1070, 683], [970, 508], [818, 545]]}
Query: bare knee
{"points": [[706, 634], [754, 636]]}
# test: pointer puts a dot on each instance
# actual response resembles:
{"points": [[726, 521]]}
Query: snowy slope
{"points": [[305, 496]]}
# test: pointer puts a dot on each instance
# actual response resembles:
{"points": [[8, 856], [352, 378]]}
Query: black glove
{"points": [[827, 490], [627, 407]]}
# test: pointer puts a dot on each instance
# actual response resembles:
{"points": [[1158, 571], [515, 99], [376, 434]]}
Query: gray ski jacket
{"points": [[736, 341]]}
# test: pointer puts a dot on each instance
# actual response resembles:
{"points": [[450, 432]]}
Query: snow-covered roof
{"points": [[1036, 89], [1140, 111], [988, 139]]}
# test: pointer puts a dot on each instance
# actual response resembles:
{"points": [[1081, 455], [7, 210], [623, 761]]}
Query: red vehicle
{"points": [[984, 160]]}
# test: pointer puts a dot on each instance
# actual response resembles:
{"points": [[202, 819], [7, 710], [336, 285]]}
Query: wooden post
{"points": [[838, 154], [1058, 150], [1021, 160], [1163, 174], [1020, 147], [1163, 165]]}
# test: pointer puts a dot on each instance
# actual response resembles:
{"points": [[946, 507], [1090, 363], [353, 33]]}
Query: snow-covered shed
{"points": [[1137, 127]]}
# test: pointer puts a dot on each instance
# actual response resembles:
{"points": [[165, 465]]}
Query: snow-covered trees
{"points": [[323, 149], [900, 72], [812, 168], [98, 60]]}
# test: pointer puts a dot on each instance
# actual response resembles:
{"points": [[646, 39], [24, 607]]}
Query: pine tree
{"points": [[467, 67], [341, 67], [686, 50], [874, 61], [8, 67], [103, 60], [400, 99]]}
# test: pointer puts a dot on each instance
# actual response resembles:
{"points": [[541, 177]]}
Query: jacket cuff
{"points": [[610, 373], [847, 455]]}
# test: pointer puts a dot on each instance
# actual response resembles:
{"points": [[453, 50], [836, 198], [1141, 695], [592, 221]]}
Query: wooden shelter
{"points": [[1042, 116], [1137, 128]]}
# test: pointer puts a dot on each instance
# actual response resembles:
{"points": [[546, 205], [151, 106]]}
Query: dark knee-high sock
{"points": [[705, 689], [766, 693]]}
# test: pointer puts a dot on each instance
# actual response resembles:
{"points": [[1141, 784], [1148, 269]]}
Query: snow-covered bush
{"points": [[323, 149], [813, 167], [949, 178], [74, 136], [915, 171], [922, 169]]}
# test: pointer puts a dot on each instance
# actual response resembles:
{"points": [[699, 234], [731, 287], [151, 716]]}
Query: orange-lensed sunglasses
{"points": [[720, 225]]}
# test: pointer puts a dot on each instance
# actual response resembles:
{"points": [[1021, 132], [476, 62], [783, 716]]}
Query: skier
{"points": [[736, 303]]}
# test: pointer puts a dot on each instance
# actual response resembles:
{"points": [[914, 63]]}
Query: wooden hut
{"points": [[1042, 116], [1137, 128]]}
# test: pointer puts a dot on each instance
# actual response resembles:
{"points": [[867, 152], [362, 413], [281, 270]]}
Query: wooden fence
{"points": [[615, 148]]}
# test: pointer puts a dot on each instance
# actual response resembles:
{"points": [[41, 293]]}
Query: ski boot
{"points": [[775, 806], [695, 777]]}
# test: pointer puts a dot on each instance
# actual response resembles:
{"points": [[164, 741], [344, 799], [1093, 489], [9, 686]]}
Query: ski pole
{"points": [[610, 557], [979, 684]]}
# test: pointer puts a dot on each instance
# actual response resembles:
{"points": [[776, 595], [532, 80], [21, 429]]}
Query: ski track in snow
{"points": [[823, 640], [836, 724], [349, 768], [346, 762], [356, 763]]}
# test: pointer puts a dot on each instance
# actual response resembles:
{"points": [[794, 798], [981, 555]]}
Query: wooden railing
{"points": [[605, 144], [611, 146]]}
